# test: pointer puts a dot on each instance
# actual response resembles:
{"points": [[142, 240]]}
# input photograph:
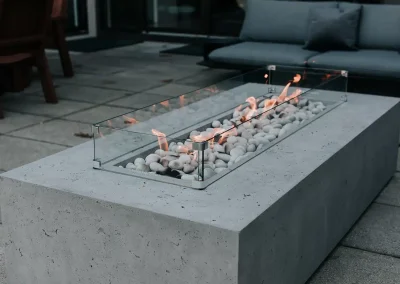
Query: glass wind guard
{"points": [[195, 138]]}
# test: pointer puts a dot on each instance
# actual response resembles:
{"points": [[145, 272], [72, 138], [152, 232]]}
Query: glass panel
{"points": [[77, 17], [179, 15], [227, 17], [198, 135]]}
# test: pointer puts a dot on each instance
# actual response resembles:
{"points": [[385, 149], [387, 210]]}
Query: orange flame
{"points": [[129, 120], [162, 139], [226, 134], [297, 78], [294, 96], [165, 104], [182, 100], [253, 108], [283, 95], [268, 104]]}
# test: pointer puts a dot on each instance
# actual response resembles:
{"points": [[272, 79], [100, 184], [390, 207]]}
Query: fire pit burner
{"points": [[199, 155]]}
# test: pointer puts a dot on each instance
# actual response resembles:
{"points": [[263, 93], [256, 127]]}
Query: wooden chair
{"points": [[58, 18], [23, 25]]}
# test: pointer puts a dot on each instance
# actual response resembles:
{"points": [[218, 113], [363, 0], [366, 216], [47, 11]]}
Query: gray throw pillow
{"points": [[332, 29]]}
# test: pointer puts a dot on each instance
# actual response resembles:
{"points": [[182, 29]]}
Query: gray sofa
{"points": [[274, 32]]}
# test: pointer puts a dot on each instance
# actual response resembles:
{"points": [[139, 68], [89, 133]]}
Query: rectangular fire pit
{"points": [[271, 219]]}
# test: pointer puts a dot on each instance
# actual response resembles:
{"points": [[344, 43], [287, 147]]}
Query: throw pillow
{"points": [[332, 29]]}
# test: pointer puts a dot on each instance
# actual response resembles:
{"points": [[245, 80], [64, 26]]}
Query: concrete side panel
{"points": [[91, 241], [286, 243]]}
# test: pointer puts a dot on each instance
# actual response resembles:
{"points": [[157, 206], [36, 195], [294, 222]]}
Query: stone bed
{"points": [[271, 220]]}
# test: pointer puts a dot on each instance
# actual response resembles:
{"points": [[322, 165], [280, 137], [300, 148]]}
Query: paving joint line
{"points": [[36, 140], [387, 204], [370, 251]]}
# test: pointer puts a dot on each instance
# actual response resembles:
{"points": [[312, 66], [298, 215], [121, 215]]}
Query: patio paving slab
{"points": [[63, 132], [352, 266], [172, 90], [138, 100], [137, 84], [13, 121], [208, 77], [89, 94], [16, 152], [391, 194], [3, 277], [398, 161], [36, 105], [97, 114], [378, 231]]}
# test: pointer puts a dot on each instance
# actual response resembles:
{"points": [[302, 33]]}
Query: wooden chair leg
{"points": [[61, 44], [46, 78]]}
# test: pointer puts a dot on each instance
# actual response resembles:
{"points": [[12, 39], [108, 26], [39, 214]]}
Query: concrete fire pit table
{"points": [[273, 219]]}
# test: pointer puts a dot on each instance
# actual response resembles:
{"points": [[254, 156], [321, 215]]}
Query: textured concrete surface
{"points": [[377, 231], [391, 194], [143, 60], [353, 266], [231, 220]]}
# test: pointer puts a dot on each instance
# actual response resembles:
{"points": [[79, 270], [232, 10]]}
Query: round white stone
{"points": [[220, 164], [130, 166], [216, 124], [152, 158], [176, 165], [139, 161], [143, 168], [223, 157], [156, 167], [251, 148]]}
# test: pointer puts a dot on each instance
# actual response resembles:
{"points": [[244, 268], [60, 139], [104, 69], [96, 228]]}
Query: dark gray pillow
{"points": [[332, 29]]}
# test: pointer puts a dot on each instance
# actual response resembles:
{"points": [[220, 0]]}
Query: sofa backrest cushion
{"points": [[379, 27], [278, 21]]}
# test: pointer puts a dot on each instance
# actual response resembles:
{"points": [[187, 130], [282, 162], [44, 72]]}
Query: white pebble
{"points": [[241, 140], [251, 148], [274, 131], [188, 168], [227, 122], [216, 124], [223, 157], [156, 167], [176, 165], [218, 170], [248, 125], [211, 157], [188, 177], [208, 173], [186, 159], [220, 164], [194, 163], [143, 168], [152, 158], [247, 134], [270, 136], [130, 166], [139, 161], [219, 148], [254, 142], [316, 110], [282, 132], [161, 153], [232, 139], [236, 152], [170, 153], [228, 148]]}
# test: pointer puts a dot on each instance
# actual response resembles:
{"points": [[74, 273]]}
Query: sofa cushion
{"points": [[278, 21], [261, 54], [332, 29], [377, 63], [380, 27]]}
